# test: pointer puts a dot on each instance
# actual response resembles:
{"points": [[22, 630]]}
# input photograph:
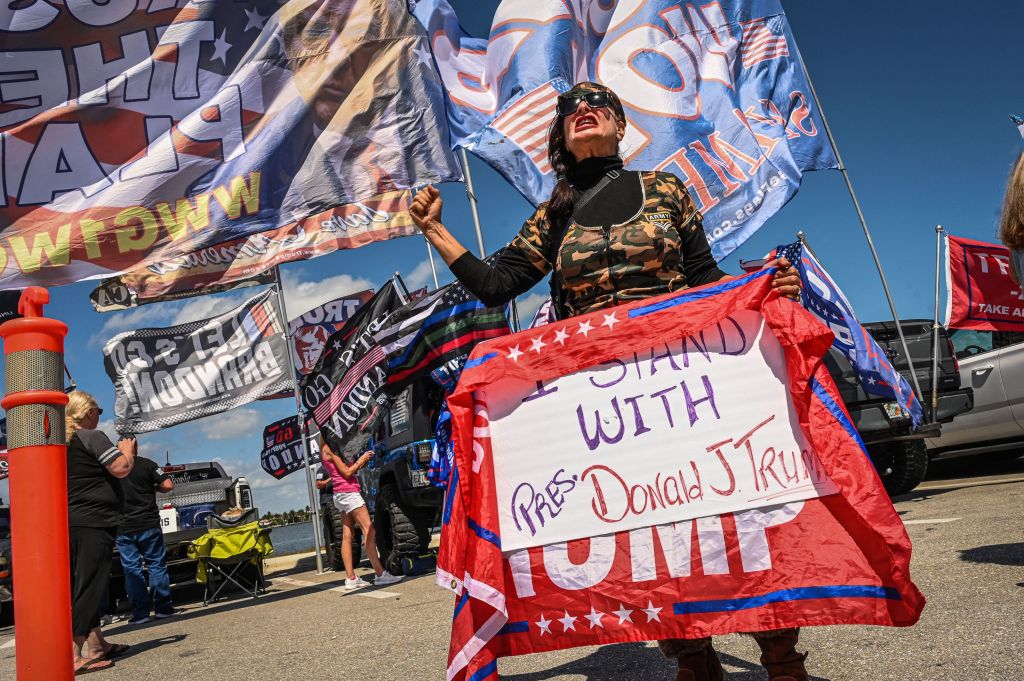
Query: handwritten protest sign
{"points": [[671, 468], [699, 426]]}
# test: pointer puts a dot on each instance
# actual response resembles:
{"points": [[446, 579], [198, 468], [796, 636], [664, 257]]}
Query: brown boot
{"points": [[698, 661], [779, 655]]}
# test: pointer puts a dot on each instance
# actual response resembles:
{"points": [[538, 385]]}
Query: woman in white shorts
{"points": [[348, 499]]}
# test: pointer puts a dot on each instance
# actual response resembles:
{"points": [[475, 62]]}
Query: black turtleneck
{"points": [[618, 201]]}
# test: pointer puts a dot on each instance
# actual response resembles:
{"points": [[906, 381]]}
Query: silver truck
{"points": [[992, 363]]}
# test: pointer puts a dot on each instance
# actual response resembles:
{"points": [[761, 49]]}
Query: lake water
{"points": [[297, 538]]}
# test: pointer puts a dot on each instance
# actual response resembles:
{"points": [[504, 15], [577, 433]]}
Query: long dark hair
{"points": [[564, 163], [1011, 222]]}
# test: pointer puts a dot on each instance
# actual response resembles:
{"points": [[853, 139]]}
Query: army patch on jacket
{"points": [[662, 220]]}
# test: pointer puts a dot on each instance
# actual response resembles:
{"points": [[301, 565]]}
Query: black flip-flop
{"points": [[95, 664], [116, 650]]}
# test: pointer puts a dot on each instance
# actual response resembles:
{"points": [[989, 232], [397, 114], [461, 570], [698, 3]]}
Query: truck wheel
{"points": [[901, 465], [335, 527], [400, 531]]}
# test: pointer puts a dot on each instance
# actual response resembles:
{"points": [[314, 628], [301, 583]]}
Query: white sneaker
{"points": [[386, 578], [357, 583]]}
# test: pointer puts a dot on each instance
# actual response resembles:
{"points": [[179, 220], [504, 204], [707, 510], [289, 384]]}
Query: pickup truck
{"points": [[898, 452], [992, 364], [200, 490]]}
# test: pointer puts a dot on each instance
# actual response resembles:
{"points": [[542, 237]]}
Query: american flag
{"points": [[526, 124], [358, 370], [760, 44], [262, 320]]}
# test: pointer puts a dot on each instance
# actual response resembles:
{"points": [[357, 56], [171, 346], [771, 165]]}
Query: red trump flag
{"points": [[981, 294], [673, 468]]}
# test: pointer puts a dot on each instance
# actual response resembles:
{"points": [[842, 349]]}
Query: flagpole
{"points": [[310, 485], [864, 226], [472, 202], [433, 269], [935, 326]]}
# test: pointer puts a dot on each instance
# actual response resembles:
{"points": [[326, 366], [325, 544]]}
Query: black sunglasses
{"points": [[569, 102]]}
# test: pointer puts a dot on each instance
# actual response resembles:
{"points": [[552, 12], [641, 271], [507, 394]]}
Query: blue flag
{"points": [[713, 92], [822, 298]]}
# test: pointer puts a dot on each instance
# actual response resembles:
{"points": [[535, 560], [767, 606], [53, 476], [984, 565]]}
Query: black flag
{"points": [[341, 392]]}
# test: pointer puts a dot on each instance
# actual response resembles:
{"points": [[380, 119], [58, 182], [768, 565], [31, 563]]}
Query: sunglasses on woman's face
{"points": [[568, 103]]}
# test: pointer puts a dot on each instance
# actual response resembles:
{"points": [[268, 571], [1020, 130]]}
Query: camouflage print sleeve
{"points": [[534, 239], [698, 263]]}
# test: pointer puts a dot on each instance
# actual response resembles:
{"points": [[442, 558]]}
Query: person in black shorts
{"points": [[95, 500], [141, 541]]}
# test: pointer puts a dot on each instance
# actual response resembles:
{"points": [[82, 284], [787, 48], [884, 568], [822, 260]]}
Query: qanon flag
{"points": [[163, 377], [713, 92], [754, 505], [133, 133], [981, 294], [250, 260], [282, 448], [342, 392]]}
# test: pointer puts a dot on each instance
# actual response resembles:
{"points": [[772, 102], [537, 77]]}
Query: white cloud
{"points": [[301, 296], [231, 424], [421, 275], [107, 426], [527, 307]]}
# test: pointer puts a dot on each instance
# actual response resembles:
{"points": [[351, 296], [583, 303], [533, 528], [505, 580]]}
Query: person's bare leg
{"points": [[346, 546], [369, 539], [97, 644]]}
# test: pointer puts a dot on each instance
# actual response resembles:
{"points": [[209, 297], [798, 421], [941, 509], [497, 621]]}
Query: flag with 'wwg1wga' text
{"points": [[134, 133], [433, 331], [696, 475], [713, 92]]}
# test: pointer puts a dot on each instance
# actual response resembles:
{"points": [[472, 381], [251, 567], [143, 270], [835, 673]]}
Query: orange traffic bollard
{"points": [[37, 467]]}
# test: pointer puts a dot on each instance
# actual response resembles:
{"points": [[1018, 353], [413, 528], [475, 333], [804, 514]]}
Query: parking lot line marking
{"points": [[295, 582], [953, 484], [376, 593], [9, 644], [930, 521]]}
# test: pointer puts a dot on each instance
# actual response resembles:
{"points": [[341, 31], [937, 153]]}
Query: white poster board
{"points": [[700, 427]]}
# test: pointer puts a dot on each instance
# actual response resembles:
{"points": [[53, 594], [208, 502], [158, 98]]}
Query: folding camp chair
{"points": [[232, 552]]}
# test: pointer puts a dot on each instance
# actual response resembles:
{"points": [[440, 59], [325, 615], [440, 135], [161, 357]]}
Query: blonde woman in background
{"points": [[1011, 224], [95, 500]]}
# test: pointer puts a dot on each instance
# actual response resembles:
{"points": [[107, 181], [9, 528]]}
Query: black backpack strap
{"points": [[558, 234]]}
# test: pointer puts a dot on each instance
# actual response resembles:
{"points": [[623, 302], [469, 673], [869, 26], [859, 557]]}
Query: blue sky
{"points": [[917, 99]]}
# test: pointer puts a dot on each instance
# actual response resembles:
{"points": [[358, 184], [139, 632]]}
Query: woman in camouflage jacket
{"points": [[608, 237]]}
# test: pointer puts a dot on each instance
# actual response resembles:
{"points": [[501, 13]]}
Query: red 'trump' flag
{"points": [[808, 535], [981, 294]]}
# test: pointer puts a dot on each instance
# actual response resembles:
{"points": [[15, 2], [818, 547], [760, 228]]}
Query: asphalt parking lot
{"points": [[966, 522]]}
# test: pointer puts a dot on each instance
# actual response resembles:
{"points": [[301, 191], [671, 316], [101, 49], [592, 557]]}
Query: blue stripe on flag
{"points": [[484, 533], [449, 497], [485, 671], [687, 296], [425, 324], [837, 412], [460, 604], [801, 594], [515, 628], [480, 360]]}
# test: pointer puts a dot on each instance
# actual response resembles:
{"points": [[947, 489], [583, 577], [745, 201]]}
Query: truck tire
{"points": [[334, 527], [901, 465], [400, 531]]}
